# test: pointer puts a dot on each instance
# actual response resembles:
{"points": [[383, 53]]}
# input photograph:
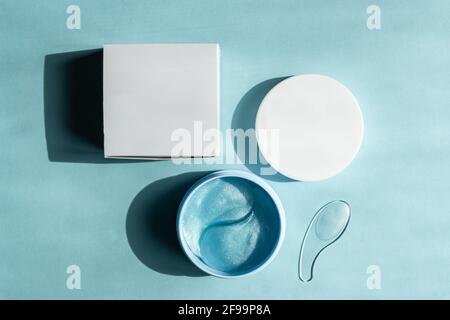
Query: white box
{"points": [[151, 90]]}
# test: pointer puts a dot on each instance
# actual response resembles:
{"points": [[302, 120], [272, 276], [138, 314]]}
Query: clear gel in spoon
{"points": [[327, 225]]}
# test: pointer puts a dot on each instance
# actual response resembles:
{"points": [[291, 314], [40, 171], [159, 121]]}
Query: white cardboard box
{"points": [[152, 90]]}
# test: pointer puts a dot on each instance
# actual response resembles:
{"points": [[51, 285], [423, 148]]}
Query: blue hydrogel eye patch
{"points": [[229, 224]]}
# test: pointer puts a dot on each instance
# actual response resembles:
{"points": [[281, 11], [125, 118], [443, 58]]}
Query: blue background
{"points": [[93, 213]]}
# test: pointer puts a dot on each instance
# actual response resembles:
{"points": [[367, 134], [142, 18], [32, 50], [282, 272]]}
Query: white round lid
{"points": [[309, 127]]}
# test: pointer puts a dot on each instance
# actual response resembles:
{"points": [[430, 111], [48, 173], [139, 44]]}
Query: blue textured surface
{"points": [[79, 210]]}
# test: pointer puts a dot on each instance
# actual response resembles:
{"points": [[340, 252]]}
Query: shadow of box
{"points": [[73, 107]]}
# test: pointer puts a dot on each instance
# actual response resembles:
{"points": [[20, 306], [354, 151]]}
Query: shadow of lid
{"points": [[244, 118]]}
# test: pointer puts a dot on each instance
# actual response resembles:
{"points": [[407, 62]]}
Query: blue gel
{"points": [[230, 225]]}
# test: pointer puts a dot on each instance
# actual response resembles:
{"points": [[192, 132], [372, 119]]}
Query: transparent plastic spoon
{"points": [[327, 225]]}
